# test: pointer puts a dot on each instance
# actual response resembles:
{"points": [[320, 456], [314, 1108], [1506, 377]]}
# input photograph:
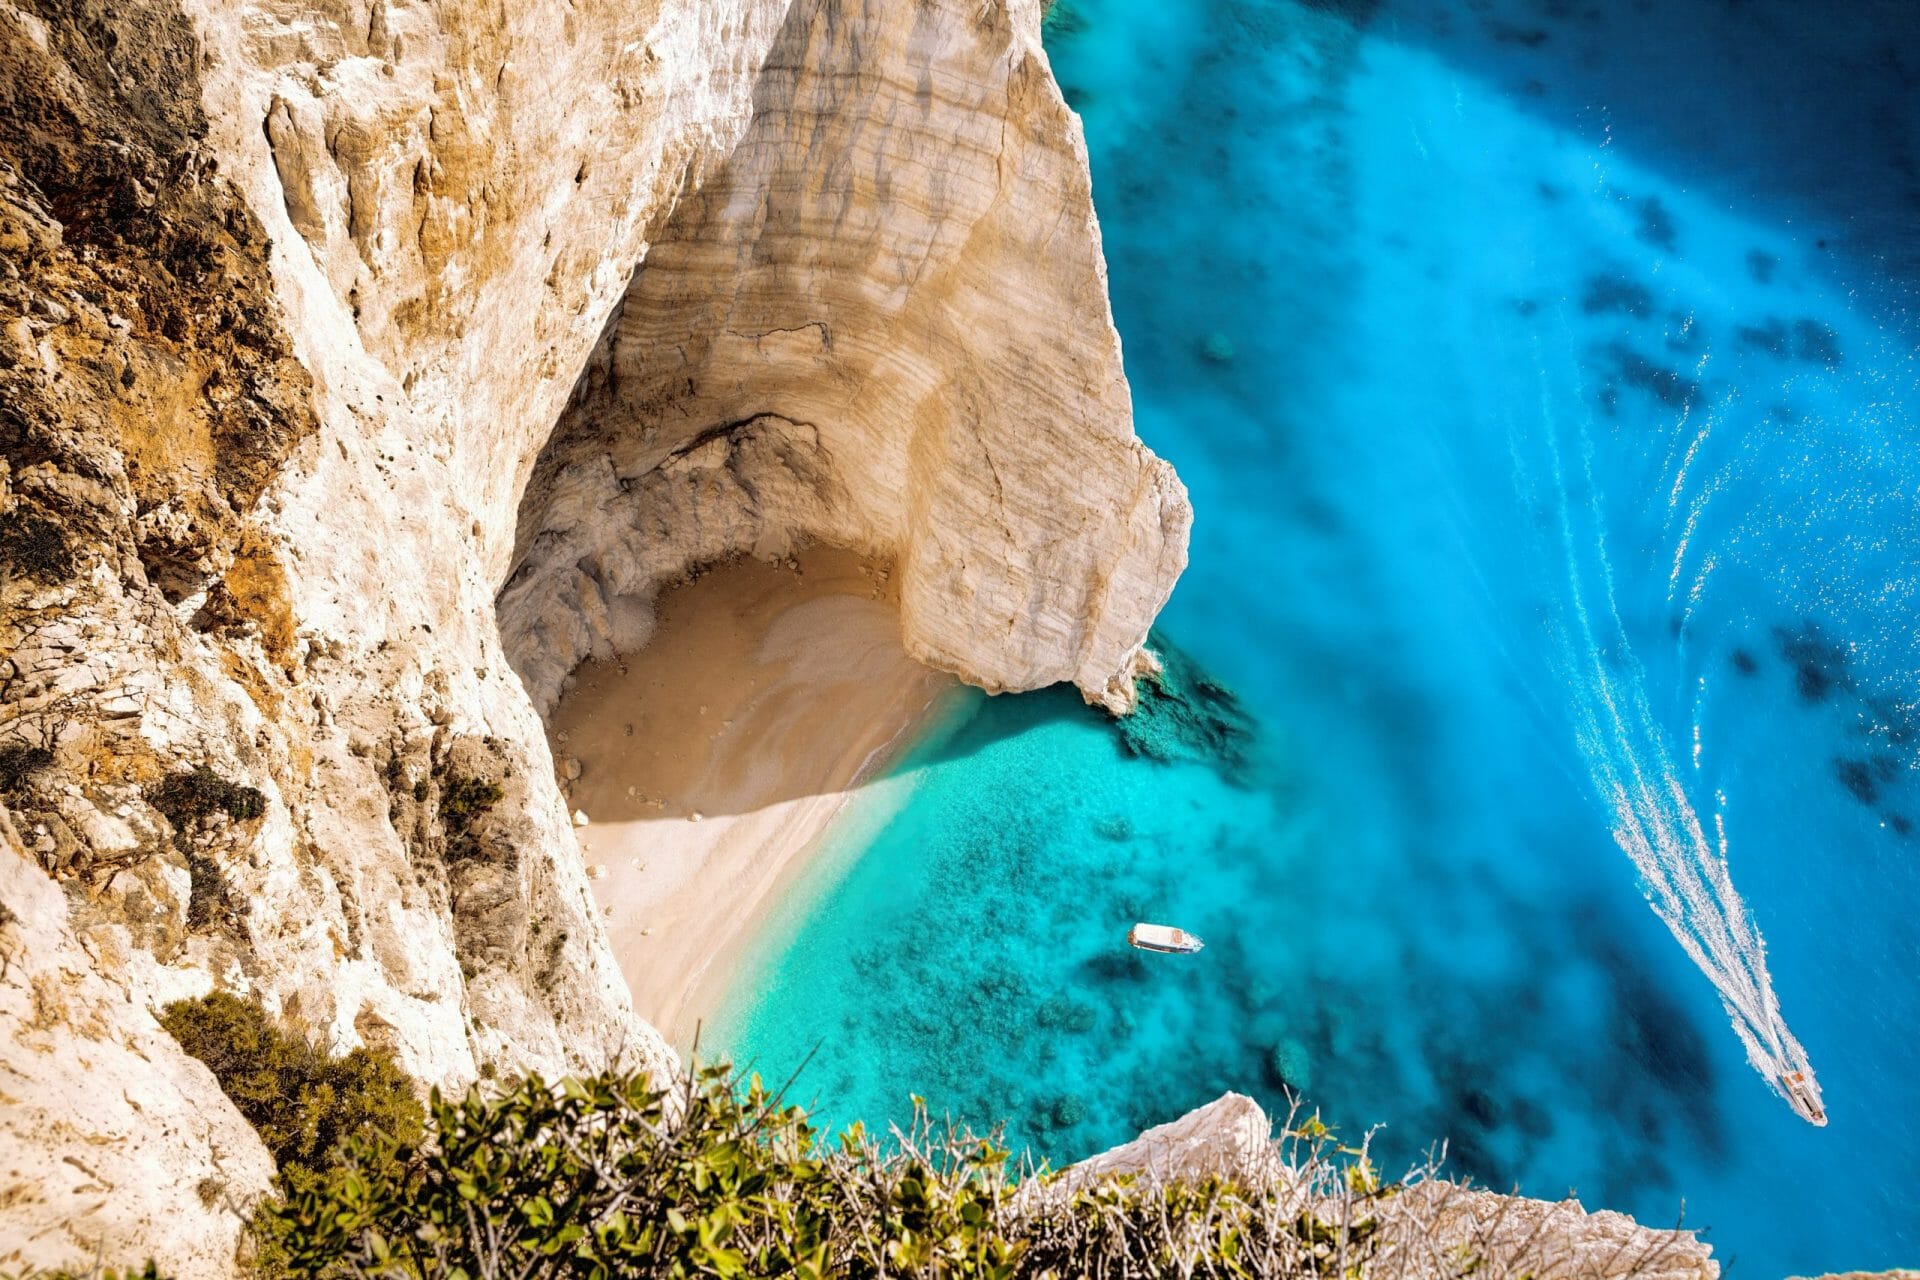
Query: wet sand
{"points": [[712, 761]]}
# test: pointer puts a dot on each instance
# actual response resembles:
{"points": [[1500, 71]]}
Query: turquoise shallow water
{"points": [[1545, 377]]}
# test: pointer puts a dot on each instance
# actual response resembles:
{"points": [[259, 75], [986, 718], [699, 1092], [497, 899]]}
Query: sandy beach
{"points": [[712, 761]]}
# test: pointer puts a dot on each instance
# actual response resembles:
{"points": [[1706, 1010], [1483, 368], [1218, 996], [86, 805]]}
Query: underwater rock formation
{"points": [[1182, 713]]}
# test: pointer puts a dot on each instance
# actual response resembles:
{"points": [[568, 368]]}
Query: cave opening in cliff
{"points": [[705, 762], [717, 670]]}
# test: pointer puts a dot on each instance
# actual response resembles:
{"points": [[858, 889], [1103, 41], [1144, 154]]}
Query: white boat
{"points": [[1163, 937], [1803, 1095]]}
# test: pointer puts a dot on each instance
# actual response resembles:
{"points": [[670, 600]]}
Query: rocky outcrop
{"points": [[1230, 1135], [76, 1024], [1427, 1227], [292, 297], [881, 323]]}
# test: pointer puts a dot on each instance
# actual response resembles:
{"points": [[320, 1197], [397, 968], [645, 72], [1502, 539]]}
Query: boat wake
{"points": [[1683, 871]]}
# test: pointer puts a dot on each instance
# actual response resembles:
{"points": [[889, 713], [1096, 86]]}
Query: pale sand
{"points": [[762, 701]]}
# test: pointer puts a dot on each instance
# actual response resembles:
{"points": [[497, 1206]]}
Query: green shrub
{"points": [[187, 798], [208, 901], [304, 1103], [609, 1176], [462, 802], [464, 799]]}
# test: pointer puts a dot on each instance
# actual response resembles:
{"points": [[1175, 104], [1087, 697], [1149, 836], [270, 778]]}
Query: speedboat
{"points": [[1803, 1095], [1163, 937]]}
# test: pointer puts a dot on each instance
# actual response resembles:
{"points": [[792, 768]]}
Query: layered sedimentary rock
{"points": [[881, 323], [292, 295]]}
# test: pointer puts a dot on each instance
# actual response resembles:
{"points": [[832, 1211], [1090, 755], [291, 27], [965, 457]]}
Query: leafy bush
{"points": [[304, 1103], [612, 1177], [462, 802], [186, 798], [464, 799], [609, 1176]]}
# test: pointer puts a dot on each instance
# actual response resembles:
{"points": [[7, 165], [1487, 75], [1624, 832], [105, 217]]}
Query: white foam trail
{"points": [[1684, 876]]}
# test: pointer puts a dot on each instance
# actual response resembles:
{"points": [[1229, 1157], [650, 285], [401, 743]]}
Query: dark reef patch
{"points": [[1656, 226], [1857, 776], [1513, 34], [1770, 337], [1820, 666], [1743, 662], [1616, 293], [1668, 386], [1185, 714], [1816, 343], [1761, 266]]}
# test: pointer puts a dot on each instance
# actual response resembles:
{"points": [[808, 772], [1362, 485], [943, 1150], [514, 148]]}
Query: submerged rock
{"points": [[1289, 1064], [1185, 714]]}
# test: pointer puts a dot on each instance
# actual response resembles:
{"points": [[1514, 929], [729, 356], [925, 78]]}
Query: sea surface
{"points": [[1544, 374]]}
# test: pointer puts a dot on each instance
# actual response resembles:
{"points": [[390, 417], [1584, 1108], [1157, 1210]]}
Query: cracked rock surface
{"points": [[364, 365]]}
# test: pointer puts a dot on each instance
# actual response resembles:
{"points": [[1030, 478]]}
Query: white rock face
{"points": [[88, 1074], [1425, 1230], [1227, 1136], [881, 323], [454, 199]]}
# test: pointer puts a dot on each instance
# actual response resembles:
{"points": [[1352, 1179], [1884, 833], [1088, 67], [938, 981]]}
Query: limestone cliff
{"points": [[881, 322], [293, 294], [365, 365]]}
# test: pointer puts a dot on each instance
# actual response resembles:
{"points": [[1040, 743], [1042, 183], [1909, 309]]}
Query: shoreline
{"points": [[727, 989], [714, 763]]}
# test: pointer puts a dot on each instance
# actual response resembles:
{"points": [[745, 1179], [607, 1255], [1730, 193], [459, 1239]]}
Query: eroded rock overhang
{"points": [[881, 323]]}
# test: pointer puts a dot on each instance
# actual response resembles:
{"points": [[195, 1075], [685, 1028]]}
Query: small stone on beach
{"points": [[694, 816], [596, 872], [579, 817]]}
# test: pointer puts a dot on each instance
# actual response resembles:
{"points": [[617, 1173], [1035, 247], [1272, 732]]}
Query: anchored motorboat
{"points": [[1163, 937], [1803, 1095]]}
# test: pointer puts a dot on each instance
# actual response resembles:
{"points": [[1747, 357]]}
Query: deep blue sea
{"points": [[1544, 373]]}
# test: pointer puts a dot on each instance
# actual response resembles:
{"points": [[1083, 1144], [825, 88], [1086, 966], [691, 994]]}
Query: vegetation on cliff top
{"points": [[613, 1175]]}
